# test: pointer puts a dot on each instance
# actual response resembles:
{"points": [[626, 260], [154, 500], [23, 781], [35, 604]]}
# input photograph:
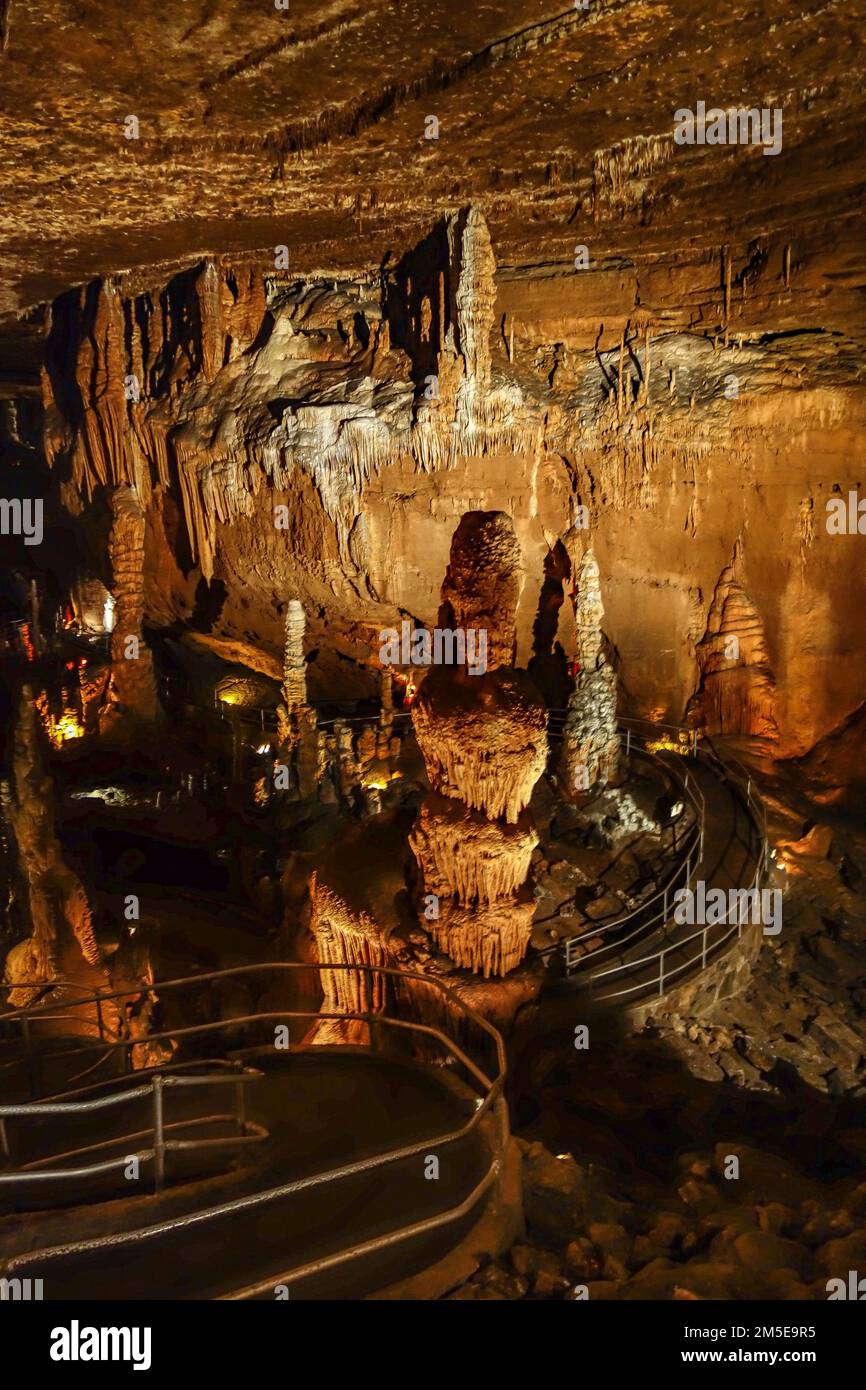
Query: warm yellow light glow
{"points": [[668, 745], [381, 780], [229, 697], [66, 727], [61, 728]]}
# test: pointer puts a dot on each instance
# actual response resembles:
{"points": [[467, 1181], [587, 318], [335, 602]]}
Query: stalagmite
{"points": [[484, 741], [62, 926], [590, 741], [294, 663], [737, 691], [484, 738], [483, 583], [297, 731], [132, 698]]}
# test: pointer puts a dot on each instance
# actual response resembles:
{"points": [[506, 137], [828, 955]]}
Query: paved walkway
{"points": [[323, 1109]]}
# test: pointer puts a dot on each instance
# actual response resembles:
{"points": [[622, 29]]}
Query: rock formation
{"points": [[131, 697], [294, 663], [62, 925], [483, 738], [297, 733], [737, 691], [344, 937], [590, 740], [484, 741], [483, 584]]}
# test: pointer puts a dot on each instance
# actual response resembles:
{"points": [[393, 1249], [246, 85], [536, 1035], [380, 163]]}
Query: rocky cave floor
{"points": [[626, 1145], [600, 859]]}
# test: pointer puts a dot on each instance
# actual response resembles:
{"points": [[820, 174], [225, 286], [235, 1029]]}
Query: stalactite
{"points": [[590, 741], [616, 169], [462, 852], [137, 411], [345, 937]]}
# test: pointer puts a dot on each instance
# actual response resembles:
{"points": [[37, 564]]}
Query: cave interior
{"points": [[432, 637]]}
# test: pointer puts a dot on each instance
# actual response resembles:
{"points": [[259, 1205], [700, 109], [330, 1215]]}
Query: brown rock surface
{"points": [[58, 908], [484, 738]]}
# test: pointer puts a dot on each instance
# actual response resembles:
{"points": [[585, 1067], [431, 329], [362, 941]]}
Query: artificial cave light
{"points": [[63, 727], [408, 686], [666, 744]]}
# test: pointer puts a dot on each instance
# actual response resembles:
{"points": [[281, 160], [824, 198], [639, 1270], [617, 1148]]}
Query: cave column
{"points": [[590, 742], [132, 698], [483, 734], [297, 733], [62, 939]]}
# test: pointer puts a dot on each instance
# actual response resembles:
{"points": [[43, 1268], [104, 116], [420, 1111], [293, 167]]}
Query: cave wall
{"points": [[685, 448]]}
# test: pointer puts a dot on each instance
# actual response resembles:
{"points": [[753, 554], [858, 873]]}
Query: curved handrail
{"points": [[491, 1101], [741, 782], [492, 1087], [692, 842]]}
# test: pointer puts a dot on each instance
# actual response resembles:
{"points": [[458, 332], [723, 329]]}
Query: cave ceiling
{"points": [[306, 128]]}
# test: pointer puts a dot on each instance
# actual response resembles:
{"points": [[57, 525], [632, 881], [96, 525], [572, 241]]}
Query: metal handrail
{"points": [[733, 772], [759, 825], [492, 1100], [161, 1145], [664, 977], [694, 840], [431, 1223]]}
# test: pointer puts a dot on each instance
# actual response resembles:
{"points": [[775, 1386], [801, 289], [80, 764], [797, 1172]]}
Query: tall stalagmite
{"points": [[737, 692], [132, 698], [297, 734], [484, 741], [59, 911], [294, 664], [590, 742]]}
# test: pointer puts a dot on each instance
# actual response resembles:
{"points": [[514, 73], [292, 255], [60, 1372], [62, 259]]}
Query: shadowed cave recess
{"points": [[432, 637]]}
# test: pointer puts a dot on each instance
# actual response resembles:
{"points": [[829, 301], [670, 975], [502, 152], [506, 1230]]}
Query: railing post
{"points": [[99, 1015], [4, 1141], [158, 1136], [704, 950], [666, 904], [661, 972], [694, 743], [627, 742]]}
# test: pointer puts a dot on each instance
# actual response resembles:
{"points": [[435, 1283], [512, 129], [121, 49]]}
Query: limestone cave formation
{"points": [[432, 630]]}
